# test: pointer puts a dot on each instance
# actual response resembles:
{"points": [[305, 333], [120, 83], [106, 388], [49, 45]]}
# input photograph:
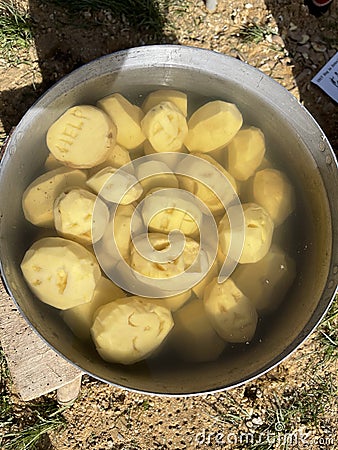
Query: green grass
{"points": [[5, 384], [255, 33], [15, 31], [283, 417], [327, 335], [23, 426], [143, 14], [302, 407]]}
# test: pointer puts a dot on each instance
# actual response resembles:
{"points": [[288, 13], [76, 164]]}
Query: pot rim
{"points": [[308, 129]]}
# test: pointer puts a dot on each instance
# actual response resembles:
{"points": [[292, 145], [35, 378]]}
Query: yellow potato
{"points": [[80, 318], [74, 216], [193, 336], [169, 269], [153, 174], [117, 158], [172, 303], [82, 137], [166, 95], [149, 150], [127, 118], [245, 153], [258, 228], [212, 126], [52, 163], [165, 127], [60, 272], [173, 213], [273, 190], [111, 188], [214, 180], [230, 312], [120, 231], [129, 330], [199, 288], [267, 281], [38, 198]]}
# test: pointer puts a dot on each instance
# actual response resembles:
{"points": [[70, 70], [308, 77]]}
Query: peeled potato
{"points": [[80, 318], [169, 269], [38, 198], [267, 281], [173, 213], [149, 149], [52, 163], [172, 303], [119, 229], [272, 189], [212, 126], [258, 228], [165, 127], [74, 216], [153, 174], [60, 272], [193, 336], [199, 288], [129, 330], [117, 157], [245, 153], [82, 137], [230, 312], [127, 118], [113, 190], [178, 98], [214, 175]]}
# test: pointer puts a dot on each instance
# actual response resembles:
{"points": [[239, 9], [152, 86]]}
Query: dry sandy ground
{"points": [[290, 407]]}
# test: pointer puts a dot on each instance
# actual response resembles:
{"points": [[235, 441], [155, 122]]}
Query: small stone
{"points": [[87, 15], [257, 421], [318, 47], [248, 5], [294, 35], [277, 40], [304, 39], [292, 26]]}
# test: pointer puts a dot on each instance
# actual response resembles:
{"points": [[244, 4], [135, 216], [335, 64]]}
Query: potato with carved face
{"points": [[130, 329], [230, 312]]}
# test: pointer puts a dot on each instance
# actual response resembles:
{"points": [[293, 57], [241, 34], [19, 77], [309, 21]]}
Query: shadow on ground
{"points": [[64, 40], [311, 41]]}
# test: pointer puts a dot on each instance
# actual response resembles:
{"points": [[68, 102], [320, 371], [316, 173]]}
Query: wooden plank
{"points": [[67, 394], [35, 368]]}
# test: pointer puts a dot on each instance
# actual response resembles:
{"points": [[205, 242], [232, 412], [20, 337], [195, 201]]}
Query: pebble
{"points": [[278, 40], [257, 421], [318, 47], [304, 39]]}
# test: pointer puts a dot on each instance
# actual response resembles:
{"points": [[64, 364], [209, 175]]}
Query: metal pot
{"points": [[302, 149]]}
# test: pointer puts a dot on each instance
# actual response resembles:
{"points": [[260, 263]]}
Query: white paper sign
{"points": [[327, 78]]}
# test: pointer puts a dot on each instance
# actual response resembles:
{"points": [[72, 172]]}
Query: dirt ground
{"points": [[294, 45]]}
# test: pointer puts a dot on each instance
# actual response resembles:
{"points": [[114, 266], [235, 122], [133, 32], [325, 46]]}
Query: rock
{"points": [[294, 35], [304, 39], [277, 40], [317, 47]]}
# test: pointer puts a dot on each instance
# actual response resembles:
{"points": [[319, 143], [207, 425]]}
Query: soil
{"points": [[295, 47]]}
